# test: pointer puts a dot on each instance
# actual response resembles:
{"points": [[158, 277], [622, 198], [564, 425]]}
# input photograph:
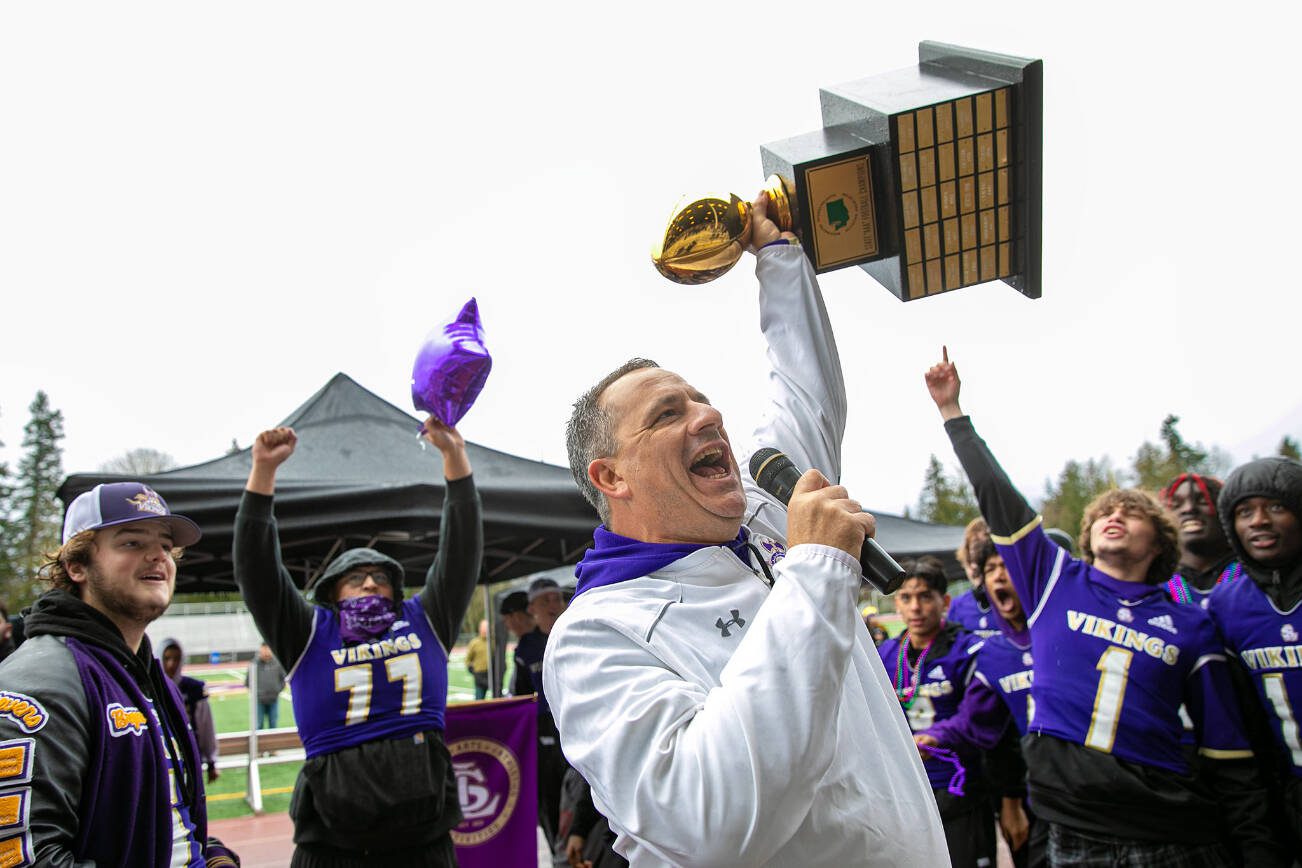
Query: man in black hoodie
{"points": [[97, 763], [368, 672], [1260, 620]]}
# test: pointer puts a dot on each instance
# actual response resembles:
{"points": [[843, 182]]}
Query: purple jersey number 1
{"points": [[1273, 683], [1114, 664]]}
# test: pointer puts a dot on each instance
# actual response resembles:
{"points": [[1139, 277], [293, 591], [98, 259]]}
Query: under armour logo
{"points": [[735, 621]]}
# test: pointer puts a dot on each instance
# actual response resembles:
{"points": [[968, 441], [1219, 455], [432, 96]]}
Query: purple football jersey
{"points": [[940, 685], [1114, 660], [346, 695], [966, 611], [1007, 669], [1266, 641]]}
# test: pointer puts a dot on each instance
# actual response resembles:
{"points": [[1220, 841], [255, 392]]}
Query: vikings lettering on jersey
{"points": [[1134, 656], [1008, 670], [1265, 641], [346, 695], [940, 684]]}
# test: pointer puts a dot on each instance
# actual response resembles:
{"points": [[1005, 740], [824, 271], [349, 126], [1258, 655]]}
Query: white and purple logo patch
{"points": [[488, 787], [1287, 633], [773, 550]]}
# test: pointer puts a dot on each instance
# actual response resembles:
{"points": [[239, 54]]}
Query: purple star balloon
{"points": [[451, 367]]}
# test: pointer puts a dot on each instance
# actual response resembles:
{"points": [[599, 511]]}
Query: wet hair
{"points": [[1210, 487], [1143, 503], [930, 570], [975, 527], [590, 434]]}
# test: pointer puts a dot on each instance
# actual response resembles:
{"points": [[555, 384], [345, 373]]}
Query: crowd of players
{"points": [[1135, 705]]}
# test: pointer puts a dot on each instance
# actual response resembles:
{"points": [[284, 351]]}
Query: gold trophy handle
{"points": [[706, 236]]}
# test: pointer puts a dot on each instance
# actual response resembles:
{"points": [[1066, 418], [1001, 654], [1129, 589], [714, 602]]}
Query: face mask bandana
{"points": [[361, 619]]}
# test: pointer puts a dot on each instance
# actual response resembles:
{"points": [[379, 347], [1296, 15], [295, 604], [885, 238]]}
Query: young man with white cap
{"points": [[97, 763]]}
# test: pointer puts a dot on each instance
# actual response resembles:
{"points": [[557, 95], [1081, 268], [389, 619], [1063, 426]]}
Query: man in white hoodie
{"points": [[712, 678]]}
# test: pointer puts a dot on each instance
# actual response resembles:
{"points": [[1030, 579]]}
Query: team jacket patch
{"points": [[23, 710], [16, 852], [124, 719], [16, 761]]}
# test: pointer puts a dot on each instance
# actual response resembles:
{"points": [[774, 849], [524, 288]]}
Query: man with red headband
{"points": [[1206, 559]]}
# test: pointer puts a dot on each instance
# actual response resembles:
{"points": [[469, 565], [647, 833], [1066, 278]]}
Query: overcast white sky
{"points": [[206, 210]]}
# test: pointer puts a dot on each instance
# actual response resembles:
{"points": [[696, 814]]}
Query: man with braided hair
{"points": [[1206, 559]]}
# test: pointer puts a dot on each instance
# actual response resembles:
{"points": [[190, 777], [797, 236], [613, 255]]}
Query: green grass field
{"points": [[230, 710]]}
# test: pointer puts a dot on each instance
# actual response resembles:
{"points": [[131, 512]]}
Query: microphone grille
{"points": [[765, 462]]}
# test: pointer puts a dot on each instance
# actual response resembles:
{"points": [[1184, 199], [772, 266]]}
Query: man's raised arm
{"points": [[281, 614], [806, 409], [1011, 518]]}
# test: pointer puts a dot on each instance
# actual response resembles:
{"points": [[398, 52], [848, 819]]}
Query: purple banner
{"points": [[494, 747]]}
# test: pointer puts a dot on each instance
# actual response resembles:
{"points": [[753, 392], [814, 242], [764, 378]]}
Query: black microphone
{"points": [[773, 471]]}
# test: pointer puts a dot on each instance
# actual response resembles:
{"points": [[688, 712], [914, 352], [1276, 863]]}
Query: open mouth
{"points": [[1191, 525], [712, 463], [1003, 597], [1263, 541], [153, 577]]}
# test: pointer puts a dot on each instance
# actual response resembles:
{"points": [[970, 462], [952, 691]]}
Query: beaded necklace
{"points": [[902, 665], [1182, 593]]}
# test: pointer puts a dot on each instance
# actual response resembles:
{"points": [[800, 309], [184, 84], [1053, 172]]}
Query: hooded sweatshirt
{"points": [[109, 764], [1261, 621], [194, 693], [1278, 479]]}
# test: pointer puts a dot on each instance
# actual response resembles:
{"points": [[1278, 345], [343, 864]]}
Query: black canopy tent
{"points": [[359, 477]]}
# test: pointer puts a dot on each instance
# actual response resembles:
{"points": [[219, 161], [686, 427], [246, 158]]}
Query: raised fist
{"points": [[273, 446]]}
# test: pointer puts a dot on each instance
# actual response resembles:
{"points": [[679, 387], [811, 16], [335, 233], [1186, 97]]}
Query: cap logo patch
{"points": [[23, 710], [124, 719], [148, 501]]}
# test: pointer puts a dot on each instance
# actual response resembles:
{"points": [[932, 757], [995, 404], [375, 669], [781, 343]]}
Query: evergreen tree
{"points": [[945, 498], [1077, 485], [1156, 464], [8, 569], [37, 514], [1288, 448]]}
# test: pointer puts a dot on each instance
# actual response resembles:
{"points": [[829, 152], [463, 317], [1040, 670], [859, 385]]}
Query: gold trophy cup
{"points": [[706, 235]]}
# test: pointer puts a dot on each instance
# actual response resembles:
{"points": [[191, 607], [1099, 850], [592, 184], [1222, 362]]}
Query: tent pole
{"points": [[494, 677]]}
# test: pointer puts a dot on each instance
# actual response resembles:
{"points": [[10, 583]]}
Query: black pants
{"points": [[1034, 853], [969, 829], [1072, 847], [551, 775]]}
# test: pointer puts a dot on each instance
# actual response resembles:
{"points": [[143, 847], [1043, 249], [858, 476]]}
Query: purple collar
{"points": [[614, 558]]}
